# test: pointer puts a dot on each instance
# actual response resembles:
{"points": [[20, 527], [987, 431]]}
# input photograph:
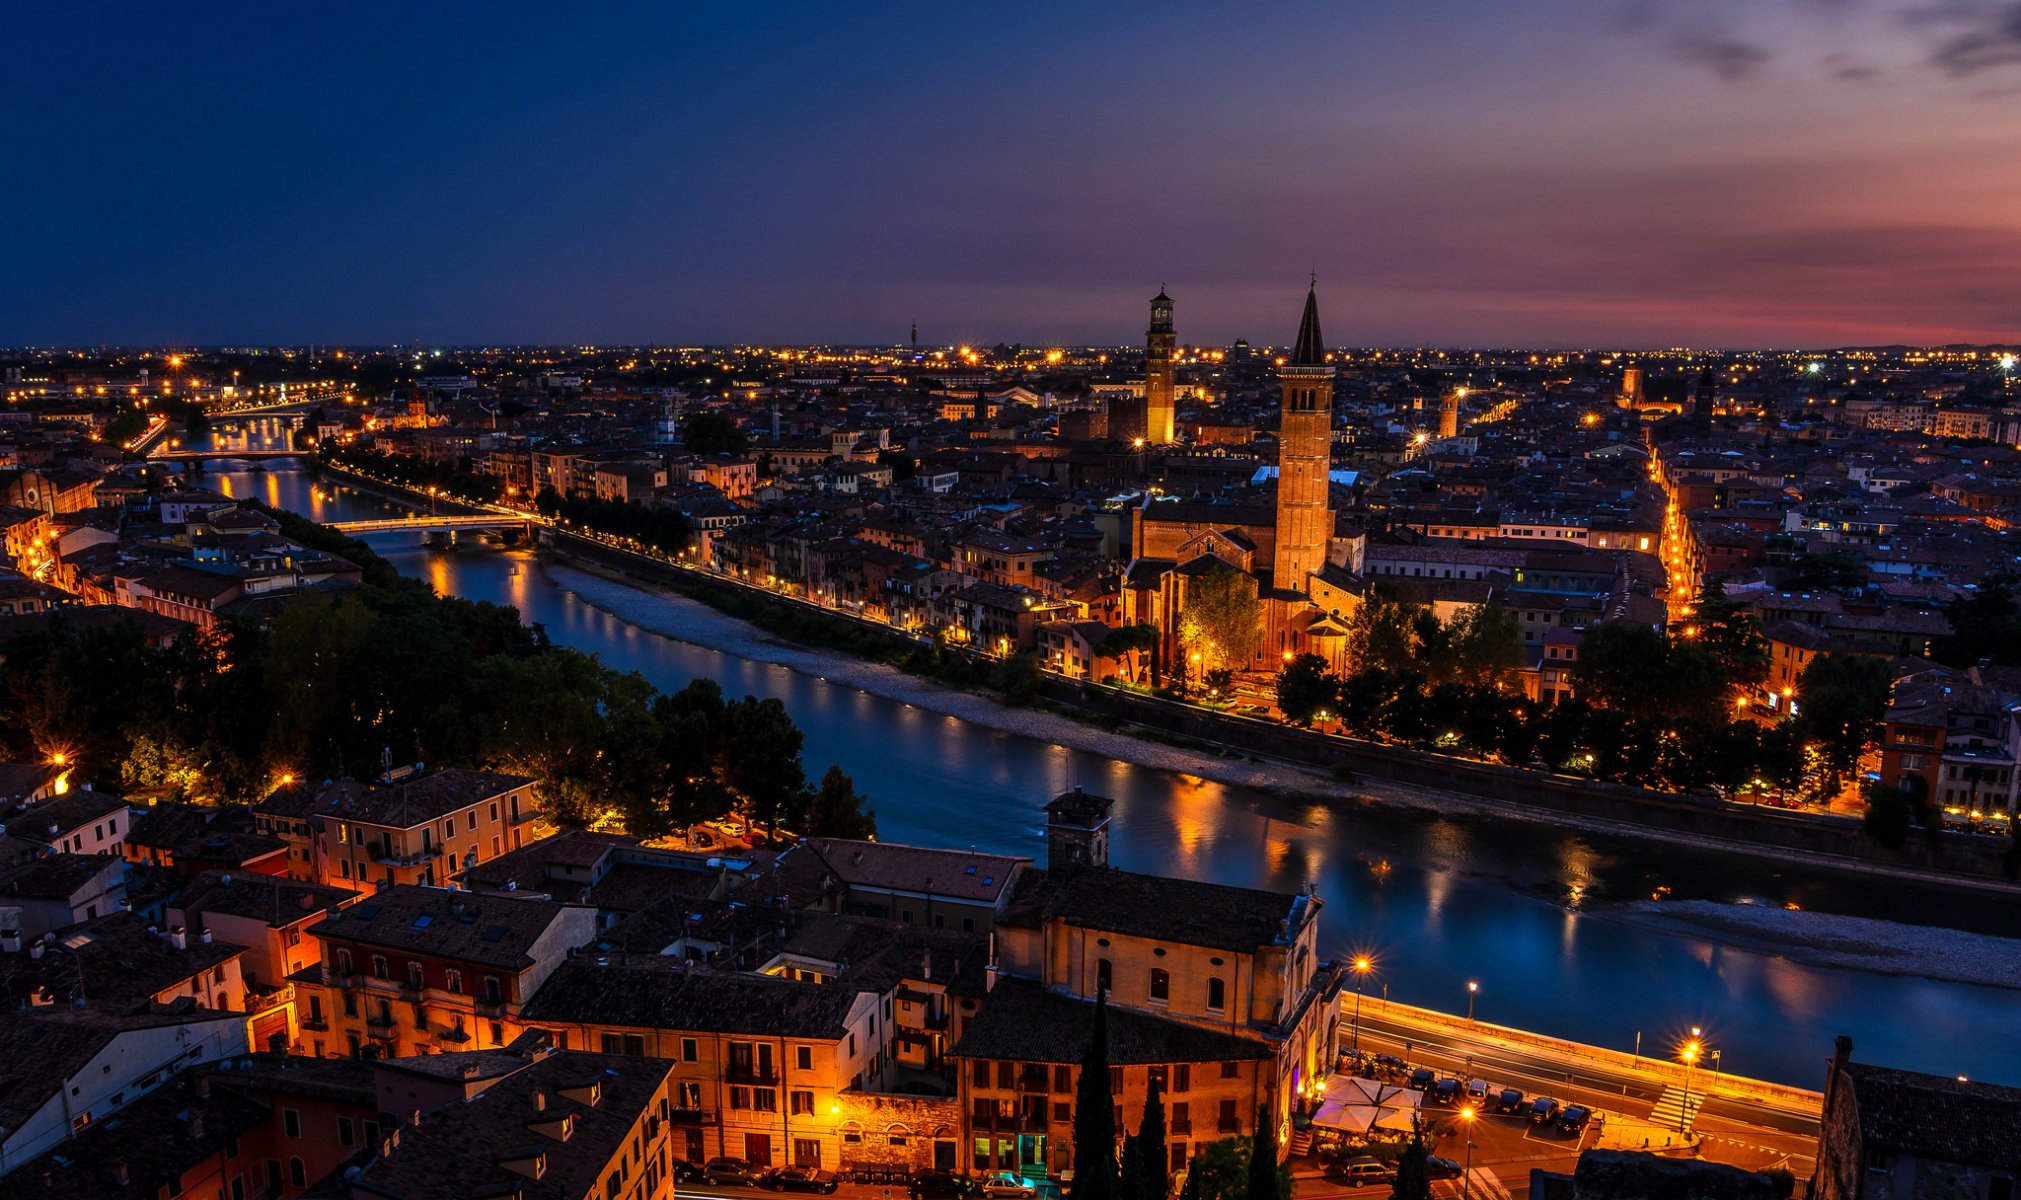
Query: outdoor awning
{"points": [[1353, 1105]]}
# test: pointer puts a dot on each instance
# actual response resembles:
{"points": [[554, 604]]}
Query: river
{"points": [[1438, 900]]}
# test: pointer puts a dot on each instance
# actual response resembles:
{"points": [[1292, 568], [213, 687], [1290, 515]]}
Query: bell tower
{"points": [[1159, 401], [1304, 455]]}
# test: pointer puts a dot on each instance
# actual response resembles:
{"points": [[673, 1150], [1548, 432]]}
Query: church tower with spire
{"points": [[1160, 405], [1304, 455]]}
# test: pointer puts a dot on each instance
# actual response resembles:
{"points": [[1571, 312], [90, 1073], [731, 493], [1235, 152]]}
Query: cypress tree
{"points": [[1095, 1115], [1190, 1190], [1152, 1151], [1413, 1173], [1263, 1183], [1130, 1175]]}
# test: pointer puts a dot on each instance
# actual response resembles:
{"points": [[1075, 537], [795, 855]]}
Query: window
{"points": [[1217, 994], [806, 1153], [689, 1051], [347, 1133], [764, 1100], [803, 1058], [343, 961], [982, 1072], [1006, 1075], [1182, 1077], [298, 1173], [1116, 1080], [1230, 1069], [1182, 1117], [414, 975], [1161, 985], [379, 966], [1063, 1078], [452, 981], [802, 1103], [1225, 1121], [1102, 975], [291, 1122], [740, 1098]]}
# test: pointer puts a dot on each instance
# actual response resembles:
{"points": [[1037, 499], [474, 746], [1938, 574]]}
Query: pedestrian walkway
{"points": [[1672, 1111], [1481, 1182]]}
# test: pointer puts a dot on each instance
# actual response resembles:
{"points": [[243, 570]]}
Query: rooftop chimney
{"points": [[540, 1099], [193, 1124], [178, 937]]}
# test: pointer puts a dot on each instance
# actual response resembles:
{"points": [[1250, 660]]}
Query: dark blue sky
{"points": [[1459, 171]]}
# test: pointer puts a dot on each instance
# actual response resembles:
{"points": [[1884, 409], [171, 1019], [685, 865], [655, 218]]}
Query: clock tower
{"points": [[1304, 456], [1160, 403]]}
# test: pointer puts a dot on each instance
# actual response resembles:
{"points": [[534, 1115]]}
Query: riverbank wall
{"points": [[1952, 858]]}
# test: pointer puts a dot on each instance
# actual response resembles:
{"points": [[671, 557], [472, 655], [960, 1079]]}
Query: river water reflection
{"points": [[1438, 900]]}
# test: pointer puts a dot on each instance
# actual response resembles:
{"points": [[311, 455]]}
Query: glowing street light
{"points": [[1689, 1052], [1473, 989], [1467, 1115], [1363, 964]]}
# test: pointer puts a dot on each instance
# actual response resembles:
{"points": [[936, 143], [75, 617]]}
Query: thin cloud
{"points": [[1990, 39], [1724, 54]]}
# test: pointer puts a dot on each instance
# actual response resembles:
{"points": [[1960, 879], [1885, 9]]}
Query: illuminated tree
{"points": [[1222, 620]]}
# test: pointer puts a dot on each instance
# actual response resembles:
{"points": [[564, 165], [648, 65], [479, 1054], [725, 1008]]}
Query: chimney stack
{"points": [[193, 1124], [540, 1099], [178, 937]]}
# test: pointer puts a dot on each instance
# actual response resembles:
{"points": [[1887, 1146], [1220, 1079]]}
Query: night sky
{"points": [[1459, 172]]}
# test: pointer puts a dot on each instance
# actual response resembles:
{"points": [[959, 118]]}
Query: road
{"points": [[1747, 1133]]}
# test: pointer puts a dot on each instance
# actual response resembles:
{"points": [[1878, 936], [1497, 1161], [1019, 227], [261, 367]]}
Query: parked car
{"points": [[1574, 1119], [1477, 1094], [1442, 1168], [728, 1171], [1422, 1078], [941, 1185], [1004, 1185], [1510, 1101], [1544, 1110], [1446, 1092], [1391, 1063], [799, 1179], [687, 1172], [1361, 1172]]}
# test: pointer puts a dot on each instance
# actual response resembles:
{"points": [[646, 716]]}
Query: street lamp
{"points": [[1472, 989], [1362, 966], [1467, 1131], [1689, 1052]]}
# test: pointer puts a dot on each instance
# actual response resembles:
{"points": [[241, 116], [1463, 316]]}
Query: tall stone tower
{"points": [[1449, 416], [1160, 403], [1631, 385], [1304, 455], [1708, 392]]}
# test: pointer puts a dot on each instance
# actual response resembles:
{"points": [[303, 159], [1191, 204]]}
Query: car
{"points": [[1362, 1172], [687, 1172], [1442, 1168], [1446, 1092], [1477, 1093], [941, 1185], [1005, 1185], [799, 1179], [1544, 1110], [1574, 1119], [1510, 1101], [1391, 1063], [729, 1171], [1422, 1078]]}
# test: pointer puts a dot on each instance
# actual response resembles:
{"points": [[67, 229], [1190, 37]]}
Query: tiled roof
{"points": [[953, 874], [461, 1150], [490, 928], [1181, 911], [1022, 1021], [667, 994], [1938, 1118]]}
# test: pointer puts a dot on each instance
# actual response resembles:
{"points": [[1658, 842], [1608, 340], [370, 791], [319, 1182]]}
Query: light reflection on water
{"points": [[1439, 900]]}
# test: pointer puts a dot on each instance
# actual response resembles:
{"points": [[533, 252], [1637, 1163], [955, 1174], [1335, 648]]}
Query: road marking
{"points": [[1674, 1111]]}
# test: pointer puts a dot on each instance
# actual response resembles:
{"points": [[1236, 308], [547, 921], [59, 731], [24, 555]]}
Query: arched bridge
{"points": [[481, 522], [195, 455]]}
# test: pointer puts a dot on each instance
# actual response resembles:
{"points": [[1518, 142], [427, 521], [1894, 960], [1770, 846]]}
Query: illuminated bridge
{"points": [[479, 522]]}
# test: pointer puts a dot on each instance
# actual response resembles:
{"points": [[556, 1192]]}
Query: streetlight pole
{"points": [[1472, 989], [1361, 969], [1467, 1131], [1689, 1053]]}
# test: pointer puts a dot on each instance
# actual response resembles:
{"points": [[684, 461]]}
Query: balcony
{"points": [[1035, 1081], [691, 1116], [319, 1024], [384, 856], [750, 1073], [259, 1002], [382, 1020]]}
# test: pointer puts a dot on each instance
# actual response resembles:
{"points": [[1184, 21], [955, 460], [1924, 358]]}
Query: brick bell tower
{"points": [[1304, 455], [1160, 403]]}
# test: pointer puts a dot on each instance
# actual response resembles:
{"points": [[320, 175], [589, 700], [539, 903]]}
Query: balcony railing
{"points": [[259, 1002], [750, 1073]]}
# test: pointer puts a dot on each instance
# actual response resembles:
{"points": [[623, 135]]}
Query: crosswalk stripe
{"points": [[1673, 1112]]}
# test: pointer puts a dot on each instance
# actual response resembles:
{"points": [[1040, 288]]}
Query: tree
{"points": [[1130, 1172], [1020, 677], [1986, 624], [1413, 1175], [903, 466], [1132, 640], [1153, 1153], [1263, 1183], [1844, 698], [713, 433], [1382, 635], [1220, 1170], [1889, 815], [1222, 620], [1305, 686], [838, 811], [1487, 644], [1095, 1115], [1727, 630]]}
